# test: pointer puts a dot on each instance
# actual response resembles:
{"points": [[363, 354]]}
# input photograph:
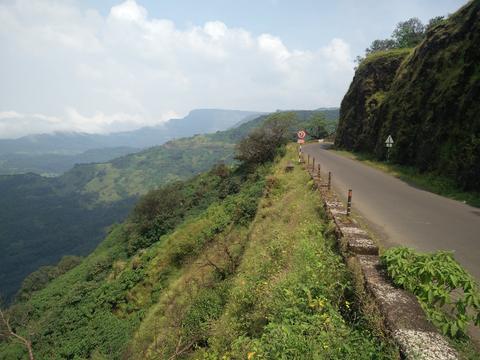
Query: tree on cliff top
{"points": [[406, 34]]}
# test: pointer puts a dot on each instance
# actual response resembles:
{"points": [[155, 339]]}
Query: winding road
{"points": [[400, 214]]}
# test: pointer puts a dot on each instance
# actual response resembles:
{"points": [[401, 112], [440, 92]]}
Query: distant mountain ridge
{"points": [[53, 154], [197, 121]]}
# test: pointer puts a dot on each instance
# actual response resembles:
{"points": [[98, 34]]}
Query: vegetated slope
{"points": [[218, 276], [56, 164], [429, 103], [43, 219]]}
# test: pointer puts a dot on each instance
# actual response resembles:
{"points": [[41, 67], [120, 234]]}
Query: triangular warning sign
{"points": [[389, 140]]}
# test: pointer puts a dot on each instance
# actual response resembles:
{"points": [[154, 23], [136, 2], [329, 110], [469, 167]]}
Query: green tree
{"points": [[40, 278], [9, 333], [318, 126], [263, 143], [408, 33], [380, 45]]}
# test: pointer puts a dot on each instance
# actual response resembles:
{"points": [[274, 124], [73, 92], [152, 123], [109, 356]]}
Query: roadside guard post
{"points": [[349, 202]]}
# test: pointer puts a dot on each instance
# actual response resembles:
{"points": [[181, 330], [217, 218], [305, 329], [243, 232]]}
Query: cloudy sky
{"points": [[103, 66]]}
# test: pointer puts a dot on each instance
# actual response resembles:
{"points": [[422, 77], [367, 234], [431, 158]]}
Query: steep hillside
{"points": [[227, 265], [43, 219], [56, 164], [429, 103], [39, 224]]}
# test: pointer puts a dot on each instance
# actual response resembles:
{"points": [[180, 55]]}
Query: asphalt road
{"points": [[400, 214]]}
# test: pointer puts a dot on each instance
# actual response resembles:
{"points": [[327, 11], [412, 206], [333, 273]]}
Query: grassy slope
{"points": [[285, 300], [135, 174], [428, 181], [219, 286]]}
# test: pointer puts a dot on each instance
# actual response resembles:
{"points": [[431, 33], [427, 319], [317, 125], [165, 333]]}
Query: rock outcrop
{"points": [[427, 98]]}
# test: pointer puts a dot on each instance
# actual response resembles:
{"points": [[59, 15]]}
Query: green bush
{"points": [[264, 143], [44, 275], [206, 307], [445, 290]]}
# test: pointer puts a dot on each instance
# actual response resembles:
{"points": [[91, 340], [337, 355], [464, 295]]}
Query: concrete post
{"points": [[349, 202]]}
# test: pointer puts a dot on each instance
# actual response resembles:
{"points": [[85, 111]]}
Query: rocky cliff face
{"points": [[427, 98], [359, 124]]}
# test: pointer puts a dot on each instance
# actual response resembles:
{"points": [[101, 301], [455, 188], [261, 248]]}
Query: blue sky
{"points": [[106, 66]]}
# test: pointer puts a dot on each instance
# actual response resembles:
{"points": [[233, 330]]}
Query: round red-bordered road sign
{"points": [[301, 134]]}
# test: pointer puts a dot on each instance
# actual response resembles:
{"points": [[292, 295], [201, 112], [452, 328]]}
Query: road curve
{"points": [[400, 214]]}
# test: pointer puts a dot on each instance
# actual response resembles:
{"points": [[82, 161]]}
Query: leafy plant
{"points": [[445, 290]]}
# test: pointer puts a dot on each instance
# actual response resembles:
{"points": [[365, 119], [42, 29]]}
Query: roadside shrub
{"points": [[266, 142], [445, 290]]}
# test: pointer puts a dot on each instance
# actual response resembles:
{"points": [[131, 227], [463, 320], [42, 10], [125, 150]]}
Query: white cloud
{"points": [[16, 124], [127, 69], [129, 11]]}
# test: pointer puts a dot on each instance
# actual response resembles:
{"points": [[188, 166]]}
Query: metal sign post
{"points": [[389, 144]]}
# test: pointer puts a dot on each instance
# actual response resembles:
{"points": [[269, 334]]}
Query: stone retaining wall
{"points": [[403, 316]]}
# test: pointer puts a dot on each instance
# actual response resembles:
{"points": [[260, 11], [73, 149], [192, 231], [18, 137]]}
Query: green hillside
{"points": [[43, 219], [56, 164], [426, 98], [233, 263]]}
